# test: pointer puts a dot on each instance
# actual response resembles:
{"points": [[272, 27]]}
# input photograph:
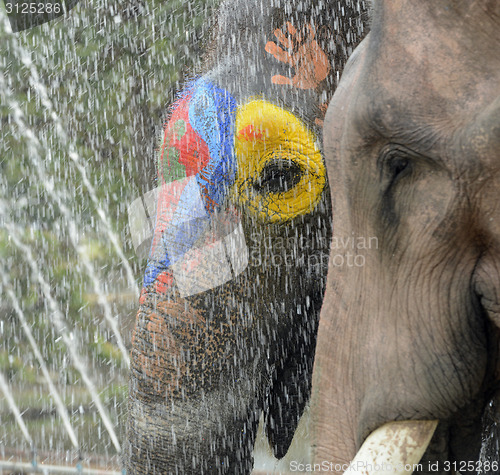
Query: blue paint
{"points": [[154, 269], [212, 114]]}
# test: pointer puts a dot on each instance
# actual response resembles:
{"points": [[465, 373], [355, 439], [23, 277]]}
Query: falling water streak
{"points": [[13, 407], [57, 318], [40, 88], [34, 147], [61, 408]]}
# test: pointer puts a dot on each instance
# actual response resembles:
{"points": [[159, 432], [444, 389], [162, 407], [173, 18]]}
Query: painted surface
{"points": [[267, 135], [301, 51], [197, 153], [213, 149]]}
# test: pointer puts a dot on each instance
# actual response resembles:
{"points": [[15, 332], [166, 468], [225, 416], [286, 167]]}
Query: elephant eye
{"points": [[278, 177], [395, 163], [398, 166]]}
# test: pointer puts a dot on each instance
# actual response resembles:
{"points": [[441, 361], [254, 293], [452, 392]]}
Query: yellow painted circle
{"points": [[266, 134]]}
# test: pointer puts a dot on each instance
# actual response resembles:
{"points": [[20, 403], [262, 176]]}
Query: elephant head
{"points": [[409, 331], [228, 315]]}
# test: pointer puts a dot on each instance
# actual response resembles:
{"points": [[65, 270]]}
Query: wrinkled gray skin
{"points": [[412, 146], [204, 367]]}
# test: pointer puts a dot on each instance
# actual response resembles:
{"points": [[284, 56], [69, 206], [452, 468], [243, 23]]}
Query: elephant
{"points": [[408, 337], [228, 315]]}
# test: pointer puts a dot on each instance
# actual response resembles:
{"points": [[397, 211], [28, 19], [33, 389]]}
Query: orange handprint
{"points": [[304, 54]]}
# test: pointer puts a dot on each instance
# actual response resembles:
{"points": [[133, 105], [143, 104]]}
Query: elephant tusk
{"points": [[393, 449]]}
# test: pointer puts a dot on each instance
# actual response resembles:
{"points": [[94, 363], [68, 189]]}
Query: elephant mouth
{"points": [[466, 443], [459, 442]]}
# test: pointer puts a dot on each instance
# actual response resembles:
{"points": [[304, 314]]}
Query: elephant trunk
{"points": [[186, 390]]}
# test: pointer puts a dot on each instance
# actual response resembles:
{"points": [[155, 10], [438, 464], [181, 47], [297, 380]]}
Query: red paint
{"points": [[163, 282], [142, 298], [192, 150], [250, 133]]}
